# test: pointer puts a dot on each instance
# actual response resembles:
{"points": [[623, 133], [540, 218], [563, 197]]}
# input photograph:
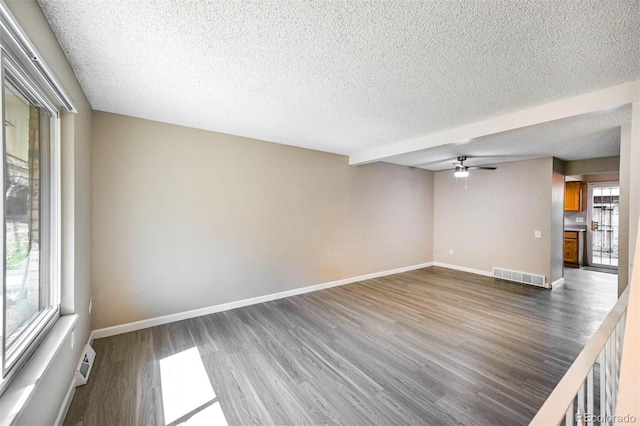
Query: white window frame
{"points": [[50, 225], [17, 46]]}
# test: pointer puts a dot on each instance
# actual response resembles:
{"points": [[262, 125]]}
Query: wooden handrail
{"points": [[556, 405]]}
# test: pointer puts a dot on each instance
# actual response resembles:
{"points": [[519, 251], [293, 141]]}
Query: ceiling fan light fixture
{"points": [[461, 172]]}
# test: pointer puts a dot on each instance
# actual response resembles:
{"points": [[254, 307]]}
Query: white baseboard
{"points": [[464, 269], [555, 284], [166, 319], [66, 403]]}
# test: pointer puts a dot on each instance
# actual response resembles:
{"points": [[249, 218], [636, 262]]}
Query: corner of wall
{"points": [[557, 221]]}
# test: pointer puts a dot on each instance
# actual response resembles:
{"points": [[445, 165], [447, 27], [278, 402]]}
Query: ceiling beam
{"points": [[600, 100]]}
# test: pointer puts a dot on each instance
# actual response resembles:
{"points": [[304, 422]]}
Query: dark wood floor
{"points": [[432, 346]]}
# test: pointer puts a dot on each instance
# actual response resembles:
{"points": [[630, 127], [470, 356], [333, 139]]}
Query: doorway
{"points": [[604, 210]]}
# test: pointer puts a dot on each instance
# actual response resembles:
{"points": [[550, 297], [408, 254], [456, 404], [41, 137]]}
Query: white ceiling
{"points": [[347, 76], [576, 138]]}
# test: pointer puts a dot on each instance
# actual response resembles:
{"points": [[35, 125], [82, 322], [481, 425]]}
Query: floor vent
{"points": [[521, 277], [84, 366]]}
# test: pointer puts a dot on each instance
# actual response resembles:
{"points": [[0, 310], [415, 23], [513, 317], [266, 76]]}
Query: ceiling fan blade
{"points": [[481, 168]]}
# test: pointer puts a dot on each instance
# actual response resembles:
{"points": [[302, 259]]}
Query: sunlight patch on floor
{"points": [[186, 388], [210, 416]]}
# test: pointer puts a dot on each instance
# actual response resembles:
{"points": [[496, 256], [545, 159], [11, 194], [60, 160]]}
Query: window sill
{"points": [[23, 386]]}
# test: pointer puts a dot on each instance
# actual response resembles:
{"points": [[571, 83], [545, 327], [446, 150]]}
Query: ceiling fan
{"points": [[462, 171]]}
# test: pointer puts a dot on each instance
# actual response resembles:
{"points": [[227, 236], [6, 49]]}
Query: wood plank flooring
{"points": [[432, 346]]}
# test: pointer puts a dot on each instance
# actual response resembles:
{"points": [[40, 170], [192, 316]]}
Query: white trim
{"points": [[464, 269], [55, 210], [19, 392], [490, 274], [66, 403], [21, 45], [600, 100], [166, 319], [557, 283]]}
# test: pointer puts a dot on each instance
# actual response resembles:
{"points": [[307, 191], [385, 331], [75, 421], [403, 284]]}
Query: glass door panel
{"points": [[605, 214]]}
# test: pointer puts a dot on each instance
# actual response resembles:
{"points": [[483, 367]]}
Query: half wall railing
{"points": [[587, 392]]}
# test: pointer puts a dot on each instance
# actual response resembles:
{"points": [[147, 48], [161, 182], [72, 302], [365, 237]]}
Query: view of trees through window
{"points": [[22, 207]]}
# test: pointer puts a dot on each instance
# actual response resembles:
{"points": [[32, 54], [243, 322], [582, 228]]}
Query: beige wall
{"points": [[623, 231], [185, 219], [48, 396], [557, 220], [634, 186], [592, 165], [629, 196], [492, 222], [629, 367]]}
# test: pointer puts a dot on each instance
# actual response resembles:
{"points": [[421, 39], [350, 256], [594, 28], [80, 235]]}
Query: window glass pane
{"points": [[25, 293]]}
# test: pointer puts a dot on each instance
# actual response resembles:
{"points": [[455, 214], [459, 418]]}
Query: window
{"points": [[29, 207]]}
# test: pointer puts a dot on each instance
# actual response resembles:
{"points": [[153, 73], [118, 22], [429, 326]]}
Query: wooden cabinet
{"points": [[573, 196], [573, 244]]}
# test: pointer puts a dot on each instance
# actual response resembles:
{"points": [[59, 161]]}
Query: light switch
{"points": [[537, 234], [450, 251]]}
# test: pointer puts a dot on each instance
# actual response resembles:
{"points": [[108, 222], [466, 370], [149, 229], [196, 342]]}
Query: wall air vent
{"points": [[84, 366], [520, 277]]}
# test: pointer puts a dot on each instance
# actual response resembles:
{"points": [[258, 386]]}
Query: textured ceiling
{"points": [[341, 76], [576, 138]]}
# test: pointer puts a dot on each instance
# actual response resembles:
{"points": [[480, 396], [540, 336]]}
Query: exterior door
{"points": [[604, 204]]}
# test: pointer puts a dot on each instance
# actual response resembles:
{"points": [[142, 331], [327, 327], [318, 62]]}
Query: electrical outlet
{"points": [[537, 234], [73, 338], [579, 219], [450, 251], [90, 304]]}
